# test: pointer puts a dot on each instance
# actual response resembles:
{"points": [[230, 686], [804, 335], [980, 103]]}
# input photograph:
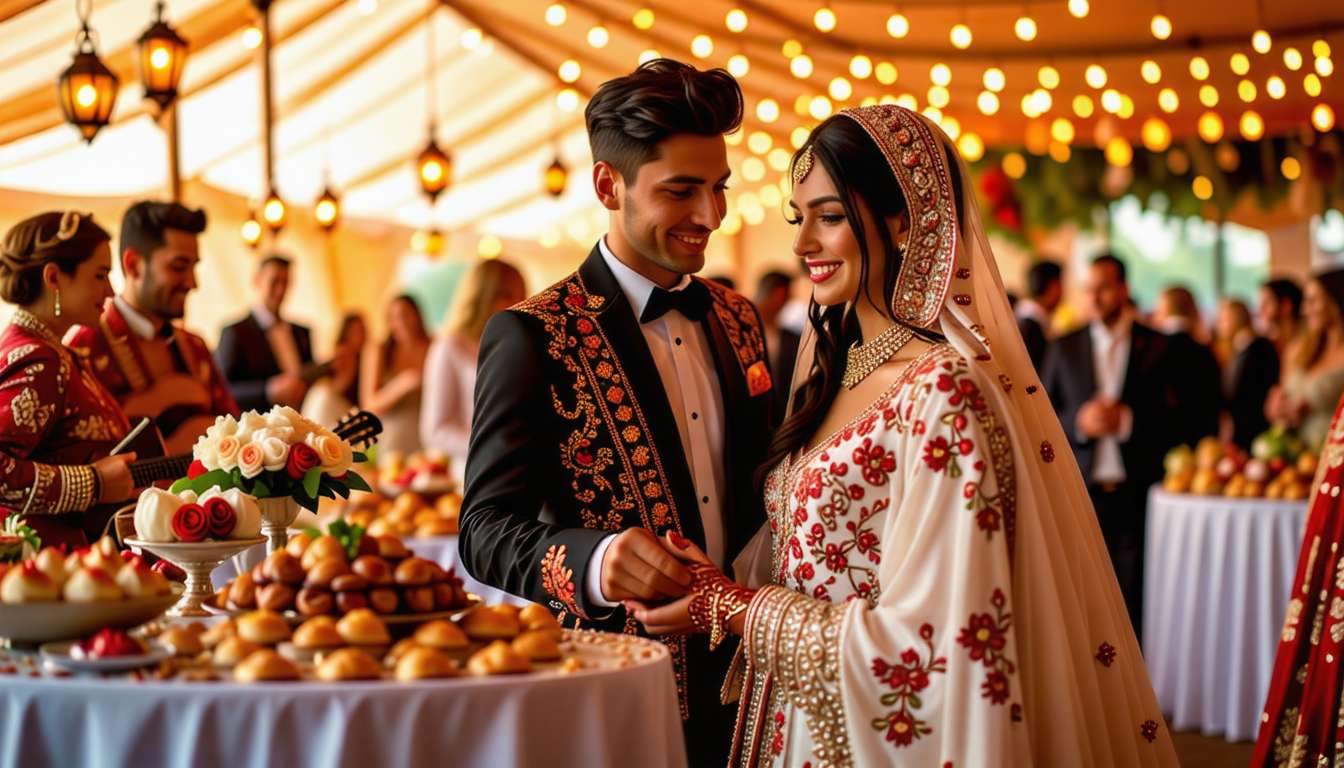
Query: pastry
{"points": [[90, 585], [348, 664], [297, 544], [536, 646], [351, 601], [154, 515], [445, 597], [413, 572], [536, 618], [373, 568], [265, 665], [232, 650], [322, 548], [363, 627], [498, 658], [275, 597], [139, 580], [441, 634], [392, 548], [311, 601], [423, 664], [216, 634], [436, 527], [104, 555], [322, 571], [418, 599], [384, 600], [259, 576], [243, 592], [283, 567], [400, 649], [51, 561], [263, 627], [183, 640], [349, 582], [436, 573], [489, 623], [27, 584], [317, 632]]}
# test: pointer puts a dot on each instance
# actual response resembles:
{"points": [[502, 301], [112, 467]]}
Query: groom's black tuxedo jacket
{"points": [[573, 438]]}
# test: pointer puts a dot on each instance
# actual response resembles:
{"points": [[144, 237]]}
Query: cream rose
{"points": [[248, 514], [223, 427], [275, 453], [226, 452], [251, 460], [286, 434], [334, 453], [251, 422], [206, 451], [154, 515]]}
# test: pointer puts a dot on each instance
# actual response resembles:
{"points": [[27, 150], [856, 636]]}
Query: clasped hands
{"points": [[670, 586], [1099, 417]]}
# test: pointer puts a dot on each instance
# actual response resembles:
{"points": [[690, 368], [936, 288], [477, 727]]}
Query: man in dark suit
{"points": [[781, 343], [630, 400], [1195, 379], [1044, 290], [1108, 382], [265, 358]]}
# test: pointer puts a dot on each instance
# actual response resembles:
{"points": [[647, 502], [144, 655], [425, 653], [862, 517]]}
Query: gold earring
{"points": [[58, 302]]}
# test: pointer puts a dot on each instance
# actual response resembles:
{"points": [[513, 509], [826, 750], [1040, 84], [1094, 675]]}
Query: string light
{"points": [[1292, 58], [791, 48], [1029, 106], [820, 107], [1202, 187], [736, 20], [1041, 101], [824, 19], [939, 96], [994, 79], [987, 103], [1156, 134], [767, 110], [951, 126], [1095, 76], [1060, 152], [1275, 87], [1048, 77], [840, 89], [898, 26], [1126, 110], [567, 100], [861, 67], [472, 38], [1290, 168], [1151, 72], [489, 247], [555, 15], [972, 147], [367, 7], [1312, 85], [907, 101], [933, 113], [643, 18], [1210, 127], [799, 137], [649, 54], [1061, 130], [1161, 27], [759, 142], [940, 74], [1252, 125], [1320, 48], [801, 66], [738, 66], [251, 38], [1083, 106], [1240, 63], [1208, 96], [1025, 28], [1118, 152], [1079, 8], [1014, 165], [1323, 117], [702, 46], [1199, 68], [885, 72], [570, 71], [1110, 100], [1261, 41], [1324, 66], [1168, 100], [1246, 90], [960, 36]]}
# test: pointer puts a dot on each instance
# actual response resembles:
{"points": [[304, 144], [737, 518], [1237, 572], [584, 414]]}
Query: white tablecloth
{"points": [[1217, 577], [590, 719], [440, 549]]}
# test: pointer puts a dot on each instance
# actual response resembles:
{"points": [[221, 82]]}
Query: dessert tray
{"points": [[58, 655], [61, 620]]}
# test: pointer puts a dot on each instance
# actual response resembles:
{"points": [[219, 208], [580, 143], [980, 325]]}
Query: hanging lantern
{"points": [[556, 176], [87, 89], [162, 55], [251, 230], [328, 209], [435, 168], [273, 211]]}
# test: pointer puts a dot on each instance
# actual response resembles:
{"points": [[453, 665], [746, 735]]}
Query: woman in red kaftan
{"points": [[1301, 723], [57, 422]]}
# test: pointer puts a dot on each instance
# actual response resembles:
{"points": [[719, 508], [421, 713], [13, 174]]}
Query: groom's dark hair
{"points": [[629, 116]]}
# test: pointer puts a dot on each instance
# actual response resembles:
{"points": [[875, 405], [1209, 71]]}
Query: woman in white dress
{"points": [[937, 589]]}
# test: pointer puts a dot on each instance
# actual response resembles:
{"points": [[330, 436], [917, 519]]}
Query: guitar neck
{"points": [[149, 471]]}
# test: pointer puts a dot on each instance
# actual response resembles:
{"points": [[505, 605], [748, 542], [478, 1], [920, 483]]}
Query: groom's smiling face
{"points": [[674, 203]]}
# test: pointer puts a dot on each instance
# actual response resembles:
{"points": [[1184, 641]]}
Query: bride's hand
{"points": [[683, 548]]}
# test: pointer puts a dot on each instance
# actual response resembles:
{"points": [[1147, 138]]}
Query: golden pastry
{"points": [[216, 634], [263, 627], [323, 547], [243, 592], [324, 570], [536, 646], [351, 601], [283, 567], [297, 544], [349, 582], [536, 618], [183, 640], [373, 568], [488, 623], [90, 585], [318, 632], [413, 572], [138, 580], [312, 601], [27, 584], [384, 600], [424, 663], [498, 658], [441, 634], [363, 627], [51, 562], [348, 664], [104, 555], [436, 527], [265, 665], [275, 596], [400, 649], [232, 650], [392, 548], [418, 599]]}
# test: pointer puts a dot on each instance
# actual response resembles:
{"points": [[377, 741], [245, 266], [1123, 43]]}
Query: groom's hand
{"points": [[673, 618], [637, 567]]}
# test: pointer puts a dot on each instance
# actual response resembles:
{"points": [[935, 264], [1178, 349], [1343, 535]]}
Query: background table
{"points": [[1217, 577], [589, 719], [440, 549]]}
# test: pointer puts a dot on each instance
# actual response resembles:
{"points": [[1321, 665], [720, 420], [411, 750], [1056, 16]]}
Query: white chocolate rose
{"points": [[226, 451], [206, 451], [285, 434], [189, 496], [246, 512], [251, 422], [251, 459], [224, 426], [90, 585], [275, 453], [154, 515]]}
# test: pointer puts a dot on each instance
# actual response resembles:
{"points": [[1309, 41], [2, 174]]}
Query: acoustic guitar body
{"points": [[180, 407]]}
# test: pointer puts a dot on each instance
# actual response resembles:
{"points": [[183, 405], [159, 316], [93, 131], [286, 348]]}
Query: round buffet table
{"points": [[1217, 576], [440, 549], [623, 713]]}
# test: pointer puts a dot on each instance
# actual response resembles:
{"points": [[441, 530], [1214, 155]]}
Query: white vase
{"points": [[277, 514]]}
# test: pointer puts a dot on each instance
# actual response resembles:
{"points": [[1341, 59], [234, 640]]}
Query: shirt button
{"points": [[695, 415], [705, 499], [678, 341]]}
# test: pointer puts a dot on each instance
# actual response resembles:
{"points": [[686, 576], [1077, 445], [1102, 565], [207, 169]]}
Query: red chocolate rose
{"points": [[195, 470], [190, 523], [302, 457], [220, 516]]}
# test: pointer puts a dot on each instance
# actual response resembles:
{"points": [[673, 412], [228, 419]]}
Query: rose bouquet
{"points": [[275, 455]]}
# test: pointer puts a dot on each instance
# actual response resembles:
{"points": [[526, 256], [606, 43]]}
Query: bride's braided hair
{"points": [[66, 239]]}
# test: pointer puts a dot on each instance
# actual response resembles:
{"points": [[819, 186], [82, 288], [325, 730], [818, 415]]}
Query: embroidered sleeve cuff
{"points": [[593, 581], [60, 489]]}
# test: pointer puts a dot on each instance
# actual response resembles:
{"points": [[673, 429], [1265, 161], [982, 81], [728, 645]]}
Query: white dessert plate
{"points": [[60, 620], [58, 654]]}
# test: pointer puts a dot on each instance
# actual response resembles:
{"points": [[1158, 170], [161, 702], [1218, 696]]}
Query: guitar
{"points": [[357, 428]]}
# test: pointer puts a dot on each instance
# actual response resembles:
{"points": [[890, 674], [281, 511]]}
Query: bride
{"points": [[937, 589]]}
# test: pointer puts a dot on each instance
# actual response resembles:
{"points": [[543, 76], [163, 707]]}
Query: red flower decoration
{"points": [[219, 516], [190, 524], [302, 457], [1106, 654], [1047, 451], [996, 687], [804, 572], [1149, 730], [983, 637], [835, 558], [937, 453], [901, 729], [987, 519], [195, 470], [875, 461]]}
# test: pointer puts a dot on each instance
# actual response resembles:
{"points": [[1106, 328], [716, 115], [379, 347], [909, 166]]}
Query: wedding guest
{"points": [[1278, 316], [57, 421], [1250, 370], [1195, 379], [630, 399], [392, 376], [1045, 288], [450, 367], [330, 399], [1110, 384], [265, 357], [152, 366], [936, 591], [781, 343], [1312, 377]]}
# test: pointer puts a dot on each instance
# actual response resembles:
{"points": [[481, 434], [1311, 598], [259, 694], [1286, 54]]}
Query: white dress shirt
{"points": [[681, 352], [140, 325], [1110, 361]]}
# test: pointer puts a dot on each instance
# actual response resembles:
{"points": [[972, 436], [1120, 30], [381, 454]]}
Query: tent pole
{"points": [[168, 122], [267, 118]]}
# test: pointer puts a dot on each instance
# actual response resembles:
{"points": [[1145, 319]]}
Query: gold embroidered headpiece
{"points": [[803, 166], [69, 226], [916, 157]]}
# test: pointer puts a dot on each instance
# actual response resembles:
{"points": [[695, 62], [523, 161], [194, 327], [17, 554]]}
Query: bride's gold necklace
{"points": [[863, 359]]}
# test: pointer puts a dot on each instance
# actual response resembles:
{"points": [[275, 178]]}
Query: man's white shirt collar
{"points": [[140, 325], [264, 317], [637, 288]]}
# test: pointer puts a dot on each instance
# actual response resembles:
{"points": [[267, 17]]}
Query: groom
{"points": [[630, 399]]}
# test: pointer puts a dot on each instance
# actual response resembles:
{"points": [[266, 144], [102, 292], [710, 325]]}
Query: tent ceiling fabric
{"points": [[350, 91]]}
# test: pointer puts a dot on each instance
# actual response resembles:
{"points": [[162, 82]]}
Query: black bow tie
{"points": [[693, 302]]}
